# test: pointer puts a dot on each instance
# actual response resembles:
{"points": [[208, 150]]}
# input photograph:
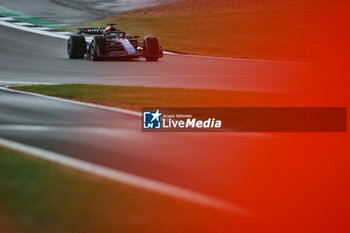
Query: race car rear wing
{"points": [[90, 31]]}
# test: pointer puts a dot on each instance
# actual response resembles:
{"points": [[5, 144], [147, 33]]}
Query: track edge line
{"points": [[114, 109], [126, 178]]}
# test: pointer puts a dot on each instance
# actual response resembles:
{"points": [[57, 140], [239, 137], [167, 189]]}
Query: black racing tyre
{"points": [[152, 48], [98, 47], [101, 43], [76, 47]]}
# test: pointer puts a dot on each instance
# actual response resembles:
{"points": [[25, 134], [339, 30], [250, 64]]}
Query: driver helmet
{"points": [[110, 29]]}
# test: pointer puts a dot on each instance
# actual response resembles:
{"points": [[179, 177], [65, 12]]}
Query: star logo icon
{"points": [[156, 116], [151, 120]]}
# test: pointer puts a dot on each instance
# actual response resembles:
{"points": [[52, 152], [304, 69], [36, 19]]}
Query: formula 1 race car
{"points": [[111, 43]]}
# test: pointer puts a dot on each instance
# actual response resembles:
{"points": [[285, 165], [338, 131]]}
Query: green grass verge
{"points": [[264, 29], [134, 98], [28, 19], [40, 196]]}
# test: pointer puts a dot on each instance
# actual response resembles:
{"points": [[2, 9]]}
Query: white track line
{"points": [[238, 59], [33, 30], [42, 28], [24, 24], [130, 112], [7, 18], [126, 178]]}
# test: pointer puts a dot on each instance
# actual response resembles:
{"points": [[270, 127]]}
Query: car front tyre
{"points": [[152, 49]]}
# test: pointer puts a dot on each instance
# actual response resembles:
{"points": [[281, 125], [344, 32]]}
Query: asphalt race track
{"points": [[115, 139], [28, 57]]}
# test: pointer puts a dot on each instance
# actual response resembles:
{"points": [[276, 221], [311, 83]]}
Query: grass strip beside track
{"points": [[39, 196], [134, 98]]}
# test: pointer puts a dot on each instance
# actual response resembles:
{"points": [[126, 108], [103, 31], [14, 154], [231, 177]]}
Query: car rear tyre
{"points": [[152, 48], [76, 47]]}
